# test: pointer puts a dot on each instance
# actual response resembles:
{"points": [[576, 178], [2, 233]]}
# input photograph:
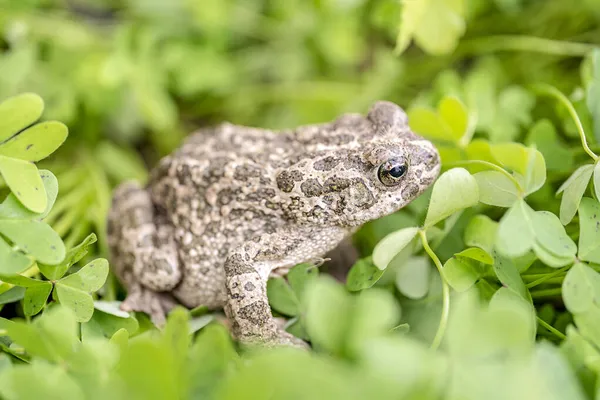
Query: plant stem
{"points": [[547, 276], [492, 44], [439, 335], [545, 89], [552, 329], [491, 166], [546, 293]]}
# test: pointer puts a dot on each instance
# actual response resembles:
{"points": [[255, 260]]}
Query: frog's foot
{"points": [[156, 305], [278, 338]]}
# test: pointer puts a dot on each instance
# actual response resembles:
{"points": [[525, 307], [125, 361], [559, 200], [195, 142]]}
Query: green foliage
{"points": [[487, 286]]}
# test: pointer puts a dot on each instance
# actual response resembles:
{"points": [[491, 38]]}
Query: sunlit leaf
{"points": [[12, 261], [18, 112], [24, 181], [412, 277], [11, 207], [80, 302], [551, 235], [436, 25], [454, 190], [89, 278], [581, 288], [37, 142], [515, 234], [496, 189], [35, 238], [481, 232], [573, 189], [392, 245]]}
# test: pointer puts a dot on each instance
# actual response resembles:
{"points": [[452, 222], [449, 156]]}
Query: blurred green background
{"points": [[132, 77]]}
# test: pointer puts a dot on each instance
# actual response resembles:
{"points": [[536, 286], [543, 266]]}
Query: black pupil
{"points": [[397, 170]]}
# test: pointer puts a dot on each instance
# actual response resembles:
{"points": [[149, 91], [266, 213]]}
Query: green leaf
{"points": [[55, 272], [13, 208], [24, 181], [476, 254], [120, 339], [449, 123], [212, 356], [391, 245], [12, 261], [374, 313], [535, 174], [508, 274], [461, 273], [454, 112], [544, 137], [363, 275], [574, 188], [301, 276], [35, 238], [80, 302], [511, 155], [16, 383], [515, 235], [581, 288], [89, 278], [512, 111], [328, 308], [593, 93], [436, 26], [12, 295], [412, 277], [176, 336], [551, 235], [36, 297], [589, 234], [496, 189], [281, 297], [597, 179], [20, 280], [550, 259], [35, 143], [107, 320], [481, 232], [428, 123], [149, 370], [455, 190], [18, 112]]}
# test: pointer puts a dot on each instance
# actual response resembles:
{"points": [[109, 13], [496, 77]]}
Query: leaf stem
{"points": [[548, 90], [495, 43], [552, 329], [546, 293], [548, 276], [491, 166], [439, 335]]}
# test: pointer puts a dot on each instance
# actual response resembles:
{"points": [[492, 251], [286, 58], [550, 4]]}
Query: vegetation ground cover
{"points": [[486, 287]]}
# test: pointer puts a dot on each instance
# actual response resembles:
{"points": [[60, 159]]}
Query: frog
{"points": [[234, 206]]}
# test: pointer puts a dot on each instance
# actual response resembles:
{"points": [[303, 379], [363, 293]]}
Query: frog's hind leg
{"points": [[143, 252]]}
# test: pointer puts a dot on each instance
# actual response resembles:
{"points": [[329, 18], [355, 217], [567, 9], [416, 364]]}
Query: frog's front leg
{"points": [[247, 270]]}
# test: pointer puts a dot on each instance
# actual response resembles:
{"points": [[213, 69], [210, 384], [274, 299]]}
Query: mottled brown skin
{"points": [[235, 205]]}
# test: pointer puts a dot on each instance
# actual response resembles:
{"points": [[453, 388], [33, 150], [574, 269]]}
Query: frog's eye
{"points": [[392, 171]]}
